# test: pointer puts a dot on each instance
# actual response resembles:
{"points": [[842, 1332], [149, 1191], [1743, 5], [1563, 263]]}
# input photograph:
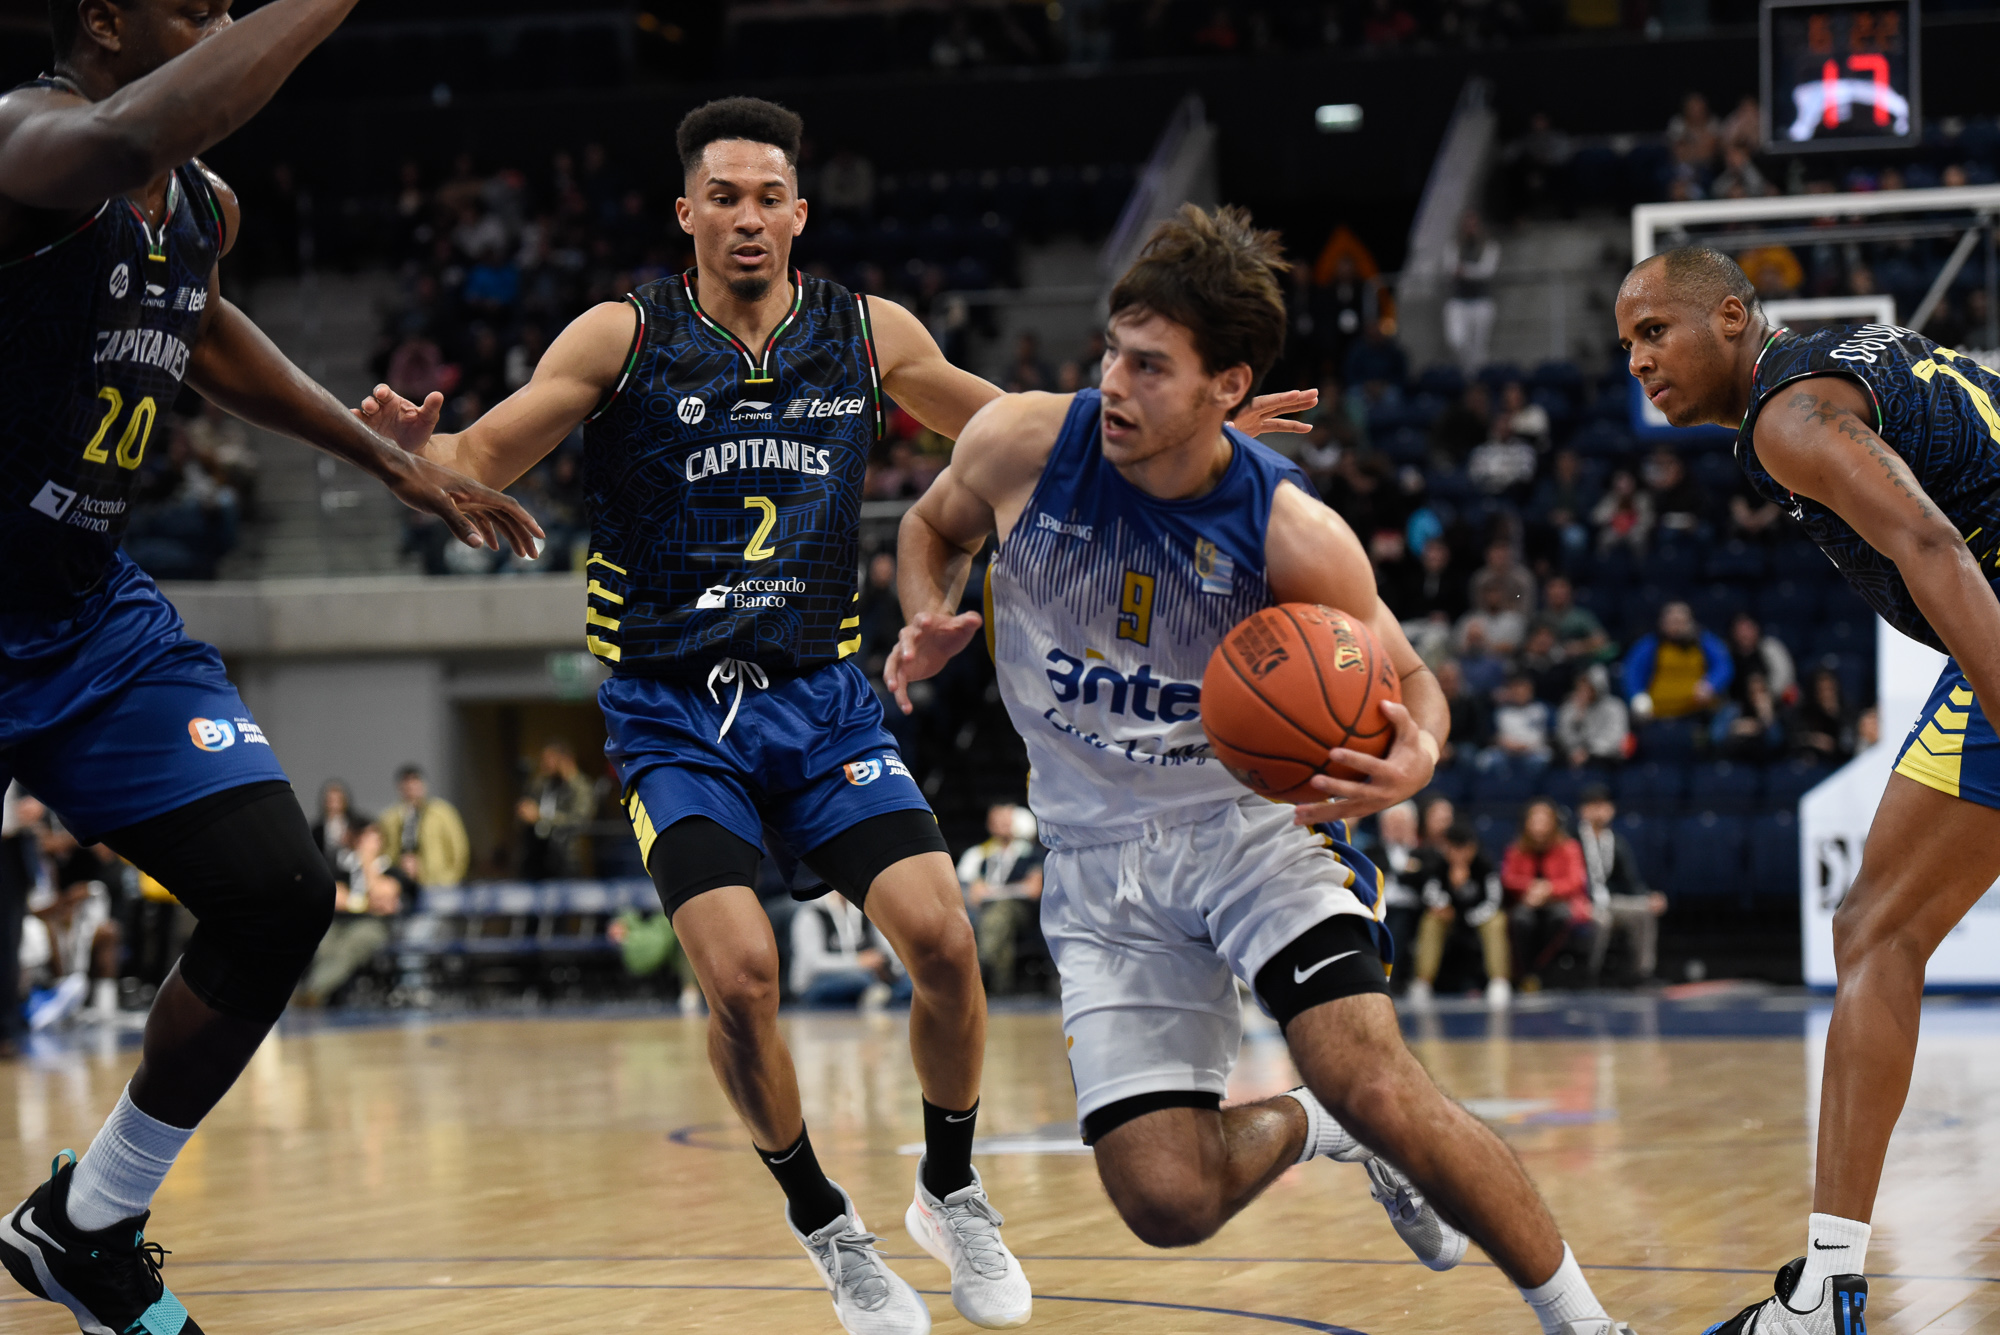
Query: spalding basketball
{"points": [[1288, 685]]}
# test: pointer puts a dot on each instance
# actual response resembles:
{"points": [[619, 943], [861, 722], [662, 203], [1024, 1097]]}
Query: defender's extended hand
{"points": [[477, 515], [393, 417], [1267, 413], [924, 647], [1391, 778]]}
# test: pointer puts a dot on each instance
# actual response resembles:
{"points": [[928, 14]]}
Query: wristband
{"points": [[1430, 745]]}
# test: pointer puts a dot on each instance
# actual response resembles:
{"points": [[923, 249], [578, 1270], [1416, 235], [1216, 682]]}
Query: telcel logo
{"points": [[1176, 702]]}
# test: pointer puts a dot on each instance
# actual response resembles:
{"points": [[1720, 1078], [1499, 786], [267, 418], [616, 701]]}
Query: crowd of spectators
{"points": [[197, 487]]}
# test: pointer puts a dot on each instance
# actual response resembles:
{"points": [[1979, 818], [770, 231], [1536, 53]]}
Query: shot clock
{"points": [[1840, 76]]}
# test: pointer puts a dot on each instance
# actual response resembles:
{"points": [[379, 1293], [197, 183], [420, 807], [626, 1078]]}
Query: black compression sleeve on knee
{"points": [[244, 862], [695, 855], [1101, 1123], [851, 860], [1334, 959]]}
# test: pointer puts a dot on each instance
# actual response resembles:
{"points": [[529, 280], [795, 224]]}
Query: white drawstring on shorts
{"points": [[734, 670], [1130, 889]]}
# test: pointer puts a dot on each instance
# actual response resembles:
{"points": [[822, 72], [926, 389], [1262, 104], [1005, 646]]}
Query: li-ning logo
{"points": [[750, 410], [211, 734], [1081, 532], [121, 281], [691, 411]]}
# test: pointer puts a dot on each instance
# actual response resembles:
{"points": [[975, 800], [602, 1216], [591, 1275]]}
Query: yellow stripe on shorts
{"points": [[1935, 757]]}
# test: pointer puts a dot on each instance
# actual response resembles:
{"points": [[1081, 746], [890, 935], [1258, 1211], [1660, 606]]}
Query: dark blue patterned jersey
{"points": [[1934, 407], [96, 329], [725, 487]]}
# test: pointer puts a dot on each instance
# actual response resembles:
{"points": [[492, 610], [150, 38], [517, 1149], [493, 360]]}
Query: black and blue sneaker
{"points": [[1838, 1308], [109, 1280]]}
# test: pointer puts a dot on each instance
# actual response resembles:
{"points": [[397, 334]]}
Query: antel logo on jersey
{"points": [[121, 281], [750, 410], [799, 409], [750, 593], [691, 410], [1176, 702]]}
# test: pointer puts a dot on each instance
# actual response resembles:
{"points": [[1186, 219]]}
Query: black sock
{"points": [[815, 1202], [947, 1148]]}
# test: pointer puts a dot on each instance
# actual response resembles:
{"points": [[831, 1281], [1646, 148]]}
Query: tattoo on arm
{"points": [[1823, 413]]}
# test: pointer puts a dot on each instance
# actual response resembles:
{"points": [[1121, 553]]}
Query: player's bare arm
{"points": [[62, 152], [1312, 556], [991, 478], [580, 368], [1814, 437], [236, 367]]}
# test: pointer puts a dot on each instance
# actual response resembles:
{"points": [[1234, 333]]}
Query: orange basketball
{"points": [[1288, 685]]}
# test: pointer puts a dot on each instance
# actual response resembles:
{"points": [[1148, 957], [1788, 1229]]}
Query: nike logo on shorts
{"points": [[1300, 975]]}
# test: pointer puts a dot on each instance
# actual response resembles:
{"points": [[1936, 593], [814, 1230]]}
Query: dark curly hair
{"points": [[749, 118], [1216, 275]]}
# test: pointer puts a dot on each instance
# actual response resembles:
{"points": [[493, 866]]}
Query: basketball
{"points": [[1290, 684]]}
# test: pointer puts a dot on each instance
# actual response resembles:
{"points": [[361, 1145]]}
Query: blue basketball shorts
{"points": [[804, 760], [119, 716], [1952, 746]]}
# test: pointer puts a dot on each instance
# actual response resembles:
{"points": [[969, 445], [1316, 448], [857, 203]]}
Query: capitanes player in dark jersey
{"points": [[1886, 448], [109, 236], [730, 411]]}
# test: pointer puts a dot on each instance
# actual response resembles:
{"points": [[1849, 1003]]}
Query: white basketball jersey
{"points": [[1103, 607]]}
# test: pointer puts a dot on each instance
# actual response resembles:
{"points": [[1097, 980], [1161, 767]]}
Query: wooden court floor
{"points": [[584, 1175]]}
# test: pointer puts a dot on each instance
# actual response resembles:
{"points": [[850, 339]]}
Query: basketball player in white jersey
{"points": [[1135, 530]]}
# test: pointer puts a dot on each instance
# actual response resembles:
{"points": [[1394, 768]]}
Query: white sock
{"points": [[1566, 1297], [1834, 1246], [123, 1167], [1325, 1137]]}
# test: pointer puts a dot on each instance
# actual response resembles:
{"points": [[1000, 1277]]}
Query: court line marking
{"points": [[1272, 1318], [1039, 1259]]}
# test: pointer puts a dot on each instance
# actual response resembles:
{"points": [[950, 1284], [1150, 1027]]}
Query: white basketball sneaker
{"points": [[1434, 1242], [1597, 1325], [868, 1297], [988, 1286], [1839, 1308]]}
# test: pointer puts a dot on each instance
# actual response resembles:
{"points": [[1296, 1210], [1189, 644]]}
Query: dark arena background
{"points": [[489, 1107]]}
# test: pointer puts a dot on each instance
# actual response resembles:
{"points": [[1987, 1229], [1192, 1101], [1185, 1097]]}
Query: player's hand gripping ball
{"points": [[1290, 684]]}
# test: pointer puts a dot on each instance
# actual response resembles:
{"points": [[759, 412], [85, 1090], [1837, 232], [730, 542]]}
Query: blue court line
{"points": [[1272, 1318], [919, 1256]]}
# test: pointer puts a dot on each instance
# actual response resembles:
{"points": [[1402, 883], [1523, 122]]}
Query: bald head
{"points": [[1698, 276]]}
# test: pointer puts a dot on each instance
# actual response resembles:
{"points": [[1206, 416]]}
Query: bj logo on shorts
{"points": [[861, 773], [215, 734]]}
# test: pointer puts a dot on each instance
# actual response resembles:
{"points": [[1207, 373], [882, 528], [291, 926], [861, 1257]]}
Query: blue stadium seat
{"points": [[1674, 565], [1774, 856], [1717, 604], [1450, 782], [1668, 741], [1651, 787], [1736, 560], [1513, 785], [1788, 781], [1495, 375], [1799, 560], [1445, 381], [1495, 831], [1564, 377], [1562, 784], [1709, 855], [1601, 437], [1652, 845], [1788, 600], [1720, 785]]}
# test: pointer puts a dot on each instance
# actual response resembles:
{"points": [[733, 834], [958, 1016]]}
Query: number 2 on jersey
{"points": [[138, 430], [757, 551]]}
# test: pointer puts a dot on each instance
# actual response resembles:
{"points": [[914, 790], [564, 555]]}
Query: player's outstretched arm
{"points": [[61, 151], [1312, 556], [578, 372], [993, 473], [1813, 437], [239, 369]]}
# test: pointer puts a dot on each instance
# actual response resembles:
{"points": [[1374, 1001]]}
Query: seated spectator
{"points": [[840, 958], [1398, 854], [1593, 727], [1560, 505], [554, 814], [337, 825], [1462, 425], [1618, 891], [1503, 570], [1363, 494], [1548, 892], [371, 892], [1743, 128], [1460, 891], [1002, 880], [1750, 726], [424, 834], [1752, 651], [1502, 467], [1501, 623], [881, 612], [1678, 670], [1751, 517], [1739, 177], [1824, 727], [70, 941], [647, 945], [1398, 579], [1520, 725], [1679, 505], [1546, 664], [1694, 136], [1577, 629], [1484, 668], [1773, 270], [1623, 516], [1519, 419], [1471, 716], [1442, 590], [1377, 363]]}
